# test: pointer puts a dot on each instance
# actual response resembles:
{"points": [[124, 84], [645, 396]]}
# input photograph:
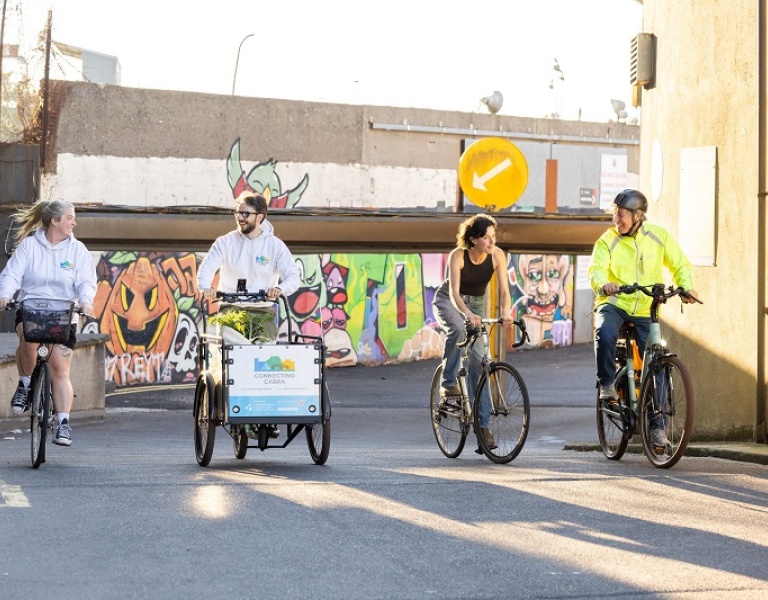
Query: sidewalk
{"points": [[741, 451]]}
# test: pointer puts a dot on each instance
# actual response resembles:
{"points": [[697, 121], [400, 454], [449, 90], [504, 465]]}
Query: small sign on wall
{"points": [[698, 169]]}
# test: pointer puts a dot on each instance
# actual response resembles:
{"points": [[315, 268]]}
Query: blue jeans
{"points": [[452, 323], [608, 322]]}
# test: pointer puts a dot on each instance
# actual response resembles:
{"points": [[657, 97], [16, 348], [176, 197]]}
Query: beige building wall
{"points": [[706, 95]]}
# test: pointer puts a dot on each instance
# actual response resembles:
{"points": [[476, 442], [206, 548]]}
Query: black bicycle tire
{"points": [[239, 441], [438, 417], [41, 412], [614, 451], [679, 437], [319, 434], [504, 452], [205, 426]]}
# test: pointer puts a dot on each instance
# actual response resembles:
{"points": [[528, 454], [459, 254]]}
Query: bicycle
{"points": [[248, 387], [656, 386], [47, 323], [509, 411]]}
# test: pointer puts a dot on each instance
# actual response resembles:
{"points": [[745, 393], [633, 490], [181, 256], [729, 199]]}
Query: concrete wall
{"points": [[87, 378], [124, 146], [706, 95]]}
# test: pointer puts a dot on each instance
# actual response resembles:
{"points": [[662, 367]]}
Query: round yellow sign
{"points": [[493, 173]]}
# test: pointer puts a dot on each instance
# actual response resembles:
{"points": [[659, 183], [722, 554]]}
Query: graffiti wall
{"points": [[373, 309], [541, 286]]}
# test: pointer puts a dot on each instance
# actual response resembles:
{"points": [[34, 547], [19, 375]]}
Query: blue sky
{"points": [[419, 53]]}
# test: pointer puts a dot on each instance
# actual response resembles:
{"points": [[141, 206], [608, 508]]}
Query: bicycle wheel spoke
{"points": [[667, 413], [509, 409], [448, 423], [612, 432]]}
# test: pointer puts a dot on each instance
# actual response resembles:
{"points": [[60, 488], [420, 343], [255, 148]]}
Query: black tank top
{"points": [[475, 278]]}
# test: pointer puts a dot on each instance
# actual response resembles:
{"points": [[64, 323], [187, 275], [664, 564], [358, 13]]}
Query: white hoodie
{"points": [[39, 269], [264, 262]]}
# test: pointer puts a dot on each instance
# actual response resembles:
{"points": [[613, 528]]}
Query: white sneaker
{"points": [[608, 392], [20, 400], [659, 439], [63, 435]]}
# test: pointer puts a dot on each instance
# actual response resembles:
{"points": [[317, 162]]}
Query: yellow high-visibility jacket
{"points": [[636, 259]]}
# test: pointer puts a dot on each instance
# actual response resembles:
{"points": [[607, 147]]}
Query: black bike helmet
{"points": [[631, 200]]}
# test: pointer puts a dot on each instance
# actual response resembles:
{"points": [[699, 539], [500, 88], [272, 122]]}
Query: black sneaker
{"points": [[20, 400], [63, 435]]}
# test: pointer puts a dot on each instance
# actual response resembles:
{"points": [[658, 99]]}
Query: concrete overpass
{"points": [[323, 230]]}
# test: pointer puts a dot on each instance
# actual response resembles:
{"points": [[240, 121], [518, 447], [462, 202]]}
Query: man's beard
{"points": [[246, 228]]}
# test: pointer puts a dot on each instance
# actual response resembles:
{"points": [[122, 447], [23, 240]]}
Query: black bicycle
{"points": [[509, 409], [46, 323]]}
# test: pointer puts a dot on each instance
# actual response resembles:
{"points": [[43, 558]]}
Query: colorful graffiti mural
{"points": [[370, 309], [541, 286], [262, 178]]}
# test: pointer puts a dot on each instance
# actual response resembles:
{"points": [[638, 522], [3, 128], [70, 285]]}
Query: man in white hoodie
{"points": [[50, 264], [250, 252]]}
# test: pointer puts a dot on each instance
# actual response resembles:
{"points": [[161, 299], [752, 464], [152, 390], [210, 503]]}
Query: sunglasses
{"points": [[244, 213]]}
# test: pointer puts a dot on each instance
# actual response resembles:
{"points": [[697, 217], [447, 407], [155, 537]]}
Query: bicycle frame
{"points": [[654, 348], [486, 361]]}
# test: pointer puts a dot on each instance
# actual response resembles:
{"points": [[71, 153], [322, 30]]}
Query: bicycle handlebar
{"points": [[473, 332], [15, 304], [235, 297], [657, 291]]}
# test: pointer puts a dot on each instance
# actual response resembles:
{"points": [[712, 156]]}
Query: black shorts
{"points": [[70, 343]]}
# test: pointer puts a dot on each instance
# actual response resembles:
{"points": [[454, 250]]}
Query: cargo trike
{"points": [[253, 387]]}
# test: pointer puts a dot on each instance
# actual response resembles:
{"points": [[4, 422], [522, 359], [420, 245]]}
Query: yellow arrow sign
{"points": [[493, 173]]}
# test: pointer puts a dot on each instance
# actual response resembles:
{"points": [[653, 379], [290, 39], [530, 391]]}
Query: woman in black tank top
{"points": [[461, 297]]}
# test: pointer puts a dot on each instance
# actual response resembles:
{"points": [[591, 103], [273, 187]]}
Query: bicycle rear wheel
{"points": [[448, 424], [611, 429], [510, 412], [319, 434], [666, 404], [41, 412]]}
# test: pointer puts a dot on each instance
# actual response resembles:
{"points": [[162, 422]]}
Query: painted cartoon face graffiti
{"points": [[140, 313]]}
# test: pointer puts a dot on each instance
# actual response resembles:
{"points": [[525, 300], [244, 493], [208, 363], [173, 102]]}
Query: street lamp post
{"points": [[554, 85], [234, 77]]}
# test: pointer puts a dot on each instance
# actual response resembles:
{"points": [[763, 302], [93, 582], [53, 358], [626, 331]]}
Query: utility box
{"points": [[642, 61], [19, 173]]}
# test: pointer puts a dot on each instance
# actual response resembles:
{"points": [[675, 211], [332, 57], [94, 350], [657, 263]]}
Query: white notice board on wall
{"points": [[697, 218]]}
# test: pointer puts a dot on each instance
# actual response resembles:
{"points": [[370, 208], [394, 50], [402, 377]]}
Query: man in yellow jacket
{"points": [[631, 252]]}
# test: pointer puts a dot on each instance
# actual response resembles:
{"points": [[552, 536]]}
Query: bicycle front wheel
{"points": [[205, 424], [448, 423], [666, 411], [510, 412], [41, 412], [613, 428]]}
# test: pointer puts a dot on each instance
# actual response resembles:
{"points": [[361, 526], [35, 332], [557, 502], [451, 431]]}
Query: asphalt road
{"points": [[126, 512]]}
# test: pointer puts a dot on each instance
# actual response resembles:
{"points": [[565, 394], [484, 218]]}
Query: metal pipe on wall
{"points": [[761, 384]]}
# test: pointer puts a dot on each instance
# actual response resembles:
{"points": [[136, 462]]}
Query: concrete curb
{"points": [[739, 451]]}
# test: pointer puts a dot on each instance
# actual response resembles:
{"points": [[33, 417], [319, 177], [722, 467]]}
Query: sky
{"points": [[407, 53]]}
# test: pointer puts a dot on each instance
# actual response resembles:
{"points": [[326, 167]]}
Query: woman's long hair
{"points": [[41, 212]]}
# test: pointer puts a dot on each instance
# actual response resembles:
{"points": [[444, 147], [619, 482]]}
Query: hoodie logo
{"points": [[66, 265], [262, 260]]}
